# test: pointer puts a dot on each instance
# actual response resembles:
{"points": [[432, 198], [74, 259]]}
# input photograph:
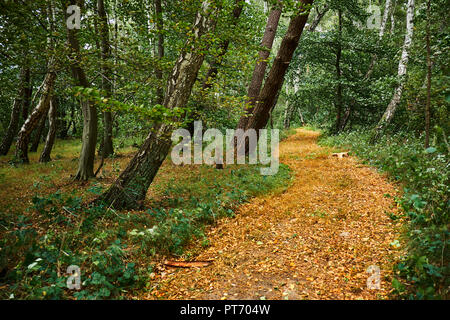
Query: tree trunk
{"points": [[129, 190], [214, 68], [301, 117], [39, 111], [72, 120], [387, 9], [49, 141], [429, 64], [393, 17], [402, 68], [28, 93], [288, 112], [160, 51], [90, 117], [346, 117], [108, 148], [319, 17], [261, 65], [12, 127], [288, 116], [36, 139], [215, 65], [338, 101], [18, 103], [274, 81], [62, 124], [291, 109], [89, 141], [50, 46]]}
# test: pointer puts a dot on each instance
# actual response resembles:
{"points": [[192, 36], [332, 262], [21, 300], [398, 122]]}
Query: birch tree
{"points": [[402, 72], [107, 146], [38, 112], [387, 10], [160, 49]]}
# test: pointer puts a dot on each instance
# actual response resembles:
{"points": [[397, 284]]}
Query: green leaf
{"points": [[397, 285], [104, 292]]}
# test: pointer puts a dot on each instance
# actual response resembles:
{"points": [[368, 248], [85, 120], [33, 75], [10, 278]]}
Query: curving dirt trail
{"points": [[316, 240]]}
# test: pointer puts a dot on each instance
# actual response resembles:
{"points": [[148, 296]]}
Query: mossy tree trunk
{"points": [[37, 136], [275, 78], [36, 115], [15, 115], [89, 111], [50, 140]]}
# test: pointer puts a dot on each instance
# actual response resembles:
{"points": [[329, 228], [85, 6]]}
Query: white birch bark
{"points": [[393, 17], [387, 9], [402, 68]]}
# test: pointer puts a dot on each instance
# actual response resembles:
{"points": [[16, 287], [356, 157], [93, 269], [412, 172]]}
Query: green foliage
{"points": [[156, 113], [34, 254], [108, 246], [111, 275]]}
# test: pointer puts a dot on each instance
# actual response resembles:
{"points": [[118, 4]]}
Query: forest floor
{"points": [[316, 240]]}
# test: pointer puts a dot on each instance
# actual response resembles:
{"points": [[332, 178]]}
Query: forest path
{"points": [[316, 240]]}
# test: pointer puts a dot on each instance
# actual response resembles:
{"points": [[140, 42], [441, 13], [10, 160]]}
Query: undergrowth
{"points": [[116, 250]]}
